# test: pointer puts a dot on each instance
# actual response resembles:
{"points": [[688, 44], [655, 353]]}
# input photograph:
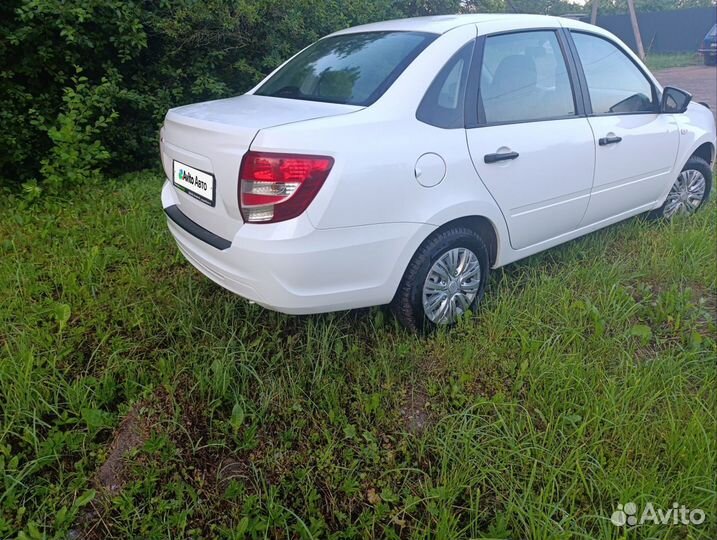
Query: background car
{"points": [[709, 47]]}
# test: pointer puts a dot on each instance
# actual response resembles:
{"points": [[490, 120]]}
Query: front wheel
{"points": [[445, 279], [690, 190]]}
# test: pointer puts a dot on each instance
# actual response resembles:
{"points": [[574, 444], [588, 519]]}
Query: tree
{"points": [[85, 83], [552, 7]]}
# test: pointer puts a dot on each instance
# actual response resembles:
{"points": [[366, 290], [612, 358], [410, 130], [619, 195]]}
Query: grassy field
{"points": [[666, 61], [139, 400]]}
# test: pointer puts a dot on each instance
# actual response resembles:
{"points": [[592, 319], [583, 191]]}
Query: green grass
{"points": [[673, 60], [587, 379]]}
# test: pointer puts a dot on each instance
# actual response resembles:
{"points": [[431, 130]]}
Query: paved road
{"points": [[700, 81]]}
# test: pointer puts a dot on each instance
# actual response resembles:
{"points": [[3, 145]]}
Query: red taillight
{"points": [[277, 187]]}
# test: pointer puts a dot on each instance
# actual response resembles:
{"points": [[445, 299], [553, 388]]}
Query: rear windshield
{"points": [[353, 69]]}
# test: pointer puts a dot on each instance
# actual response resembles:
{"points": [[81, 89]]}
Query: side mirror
{"points": [[674, 100]]}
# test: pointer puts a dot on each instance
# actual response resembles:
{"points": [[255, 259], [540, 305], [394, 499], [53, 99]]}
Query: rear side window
{"points": [[443, 104], [616, 85], [353, 69], [524, 77]]}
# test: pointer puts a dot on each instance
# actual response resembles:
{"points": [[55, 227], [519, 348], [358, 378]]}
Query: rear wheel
{"points": [[445, 279], [690, 190], [710, 60]]}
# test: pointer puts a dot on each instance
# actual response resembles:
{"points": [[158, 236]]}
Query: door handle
{"points": [[494, 158], [609, 140]]}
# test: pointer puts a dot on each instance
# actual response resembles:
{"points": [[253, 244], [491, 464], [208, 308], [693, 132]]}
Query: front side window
{"points": [[524, 77], [353, 69], [616, 85]]}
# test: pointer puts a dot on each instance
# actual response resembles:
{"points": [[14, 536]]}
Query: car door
{"points": [[530, 143], [635, 145]]}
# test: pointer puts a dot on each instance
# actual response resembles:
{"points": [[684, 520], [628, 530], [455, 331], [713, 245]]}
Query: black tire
{"points": [[710, 60], [407, 304], [697, 164]]}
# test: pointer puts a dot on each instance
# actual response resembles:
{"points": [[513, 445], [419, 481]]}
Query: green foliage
{"points": [[138, 59], [671, 60], [588, 378], [85, 84], [63, 63], [552, 7], [77, 151]]}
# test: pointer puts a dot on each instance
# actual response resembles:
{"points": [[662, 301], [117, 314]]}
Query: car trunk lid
{"points": [[213, 136]]}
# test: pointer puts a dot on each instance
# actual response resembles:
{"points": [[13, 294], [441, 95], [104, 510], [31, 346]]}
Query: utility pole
{"points": [[636, 29], [593, 16]]}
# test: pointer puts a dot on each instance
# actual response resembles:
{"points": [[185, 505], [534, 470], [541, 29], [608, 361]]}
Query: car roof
{"points": [[440, 24]]}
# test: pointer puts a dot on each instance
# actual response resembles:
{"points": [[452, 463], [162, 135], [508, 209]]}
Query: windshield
{"points": [[353, 69], [713, 32]]}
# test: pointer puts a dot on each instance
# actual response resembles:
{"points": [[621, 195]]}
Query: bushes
{"points": [[77, 150], [65, 70], [139, 58], [85, 83]]}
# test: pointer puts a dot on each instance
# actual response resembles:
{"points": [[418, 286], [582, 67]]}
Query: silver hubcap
{"points": [[686, 194], [451, 286]]}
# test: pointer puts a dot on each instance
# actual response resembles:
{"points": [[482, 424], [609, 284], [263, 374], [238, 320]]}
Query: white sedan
{"points": [[399, 162]]}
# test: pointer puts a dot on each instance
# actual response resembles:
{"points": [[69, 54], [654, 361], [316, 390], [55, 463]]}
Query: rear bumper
{"points": [[294, 268]]}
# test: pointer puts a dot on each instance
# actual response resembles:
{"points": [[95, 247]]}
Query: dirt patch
{"points": [[131, 434], [415, 411], [230, 469], [707, 301], [208, 469]]}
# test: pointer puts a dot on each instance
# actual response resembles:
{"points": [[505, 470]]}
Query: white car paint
{"points": [[395, 179], [546, 191]]}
